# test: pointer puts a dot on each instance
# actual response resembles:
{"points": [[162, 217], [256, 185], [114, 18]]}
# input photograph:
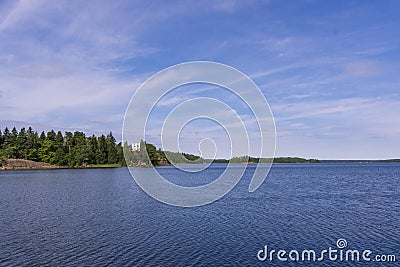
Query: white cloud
{"points": [[19, 11], [57, 58], [351, 122], [363, 68]]}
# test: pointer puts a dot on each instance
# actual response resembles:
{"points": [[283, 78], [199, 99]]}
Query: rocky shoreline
{"points": [[23, 164]]}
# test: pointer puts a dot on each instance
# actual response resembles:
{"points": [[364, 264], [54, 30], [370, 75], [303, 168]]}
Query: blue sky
{"points": [[329, 69]]}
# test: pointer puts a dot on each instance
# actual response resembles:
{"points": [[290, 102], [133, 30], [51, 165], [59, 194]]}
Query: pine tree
{"points": [[79, 151], [51, 136], [68, 142], [59, 149], [102, 151], [112, 154], [14, 135], [42, 136], [1, 140], [6, 138], [92, 149], [120, 152], [11, 150], [21, 144]]}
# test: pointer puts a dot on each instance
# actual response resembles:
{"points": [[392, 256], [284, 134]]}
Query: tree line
{"points": [[76, 150], [68, 149], [248, 159]]}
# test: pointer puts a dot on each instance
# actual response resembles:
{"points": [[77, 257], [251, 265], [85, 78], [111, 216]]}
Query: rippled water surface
{"points": [[100, 217]]}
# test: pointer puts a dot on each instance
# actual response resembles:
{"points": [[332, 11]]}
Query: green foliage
{"points": [[149, 155], [72, 149], [152, 153], [295, 160], [392, 160], [46, 151], [102, 150], [120, 153], [180, 158], [112, 153], [242, 159], [1, 140]]}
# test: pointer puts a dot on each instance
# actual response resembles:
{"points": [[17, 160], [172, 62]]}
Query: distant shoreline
{"points": [[21, 164]]}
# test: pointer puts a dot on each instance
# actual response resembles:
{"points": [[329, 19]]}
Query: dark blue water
{"points": [[100, 217]]}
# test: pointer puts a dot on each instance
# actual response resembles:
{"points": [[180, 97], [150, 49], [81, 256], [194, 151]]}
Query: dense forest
{"points": [[78, 150], [71, 149]]}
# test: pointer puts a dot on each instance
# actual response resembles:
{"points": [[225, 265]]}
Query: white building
{"points": [[135, 146]]}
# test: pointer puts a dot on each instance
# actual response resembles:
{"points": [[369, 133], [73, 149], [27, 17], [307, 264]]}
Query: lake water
{"points": [[100, 217]]}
